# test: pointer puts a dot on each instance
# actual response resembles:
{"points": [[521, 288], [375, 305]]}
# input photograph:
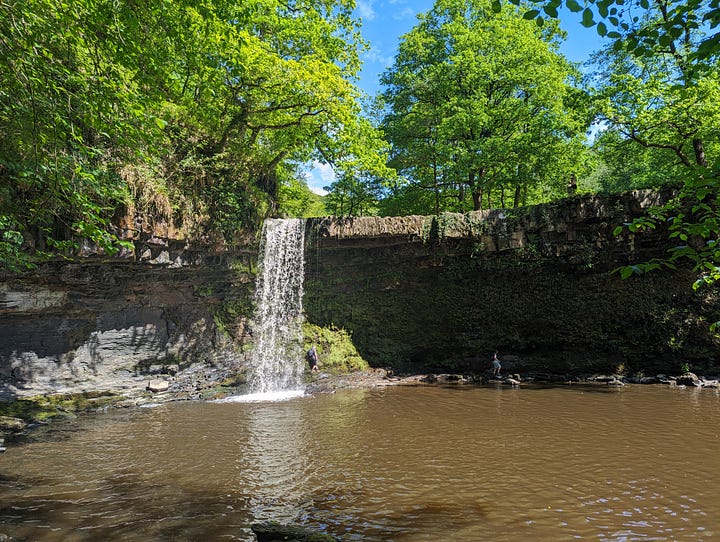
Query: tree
{"points": [[478, 104], [675, 24], [625, 165], [657, 121], [349, 195], [295, 199], [659, 103], [681, 33], [189, 111]]}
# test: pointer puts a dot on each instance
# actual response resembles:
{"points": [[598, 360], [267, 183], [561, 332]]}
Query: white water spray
{"points": [[277, 362]]}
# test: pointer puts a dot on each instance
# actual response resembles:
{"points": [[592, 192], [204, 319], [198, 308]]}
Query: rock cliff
{"points": [[91, 324], [415, 293], [443, 293]]}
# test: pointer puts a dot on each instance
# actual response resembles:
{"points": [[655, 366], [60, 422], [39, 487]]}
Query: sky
{"points": [[385, 21]]}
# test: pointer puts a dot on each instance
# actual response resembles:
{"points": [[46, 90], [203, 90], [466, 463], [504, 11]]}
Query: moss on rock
{"points": [[41, 408], [335, 348]]}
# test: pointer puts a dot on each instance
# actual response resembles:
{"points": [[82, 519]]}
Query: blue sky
{"points": [[384, 21]]}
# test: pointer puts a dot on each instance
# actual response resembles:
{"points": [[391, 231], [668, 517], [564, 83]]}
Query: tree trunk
{"points": [[477, 197], [699, 149], [437, 188], [516, 200], [476, 190]]}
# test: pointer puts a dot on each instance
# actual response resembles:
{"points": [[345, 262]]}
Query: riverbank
{"points": [[20, 416]]}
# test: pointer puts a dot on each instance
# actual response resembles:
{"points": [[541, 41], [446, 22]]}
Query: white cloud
{"points": [[375, 54], [407, 13], [366, 10], [319, 176]]}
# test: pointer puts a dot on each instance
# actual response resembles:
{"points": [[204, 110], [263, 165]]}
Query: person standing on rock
{"points": [[312, 358], [496, 365]]}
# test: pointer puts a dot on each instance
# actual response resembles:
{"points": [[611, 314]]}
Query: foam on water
{"points": [[263, 397]]}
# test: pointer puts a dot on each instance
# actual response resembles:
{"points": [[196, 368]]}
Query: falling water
{"points": [[277, 360]]}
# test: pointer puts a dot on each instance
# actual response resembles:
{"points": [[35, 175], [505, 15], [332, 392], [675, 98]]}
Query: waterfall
{"points": [[277, 361]]}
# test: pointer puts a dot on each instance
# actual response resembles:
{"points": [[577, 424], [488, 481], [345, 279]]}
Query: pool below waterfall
{"points": [[409, 464]]}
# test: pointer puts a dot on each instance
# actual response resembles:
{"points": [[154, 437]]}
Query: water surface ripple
{"points": [[398, 464]]}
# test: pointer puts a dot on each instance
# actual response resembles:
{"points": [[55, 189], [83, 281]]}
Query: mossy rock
{"points": [[44, 407], [8, 423], [335, 348]]}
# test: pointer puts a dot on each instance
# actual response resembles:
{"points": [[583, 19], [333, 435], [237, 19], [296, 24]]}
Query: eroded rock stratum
{"points": [[415, 293]]}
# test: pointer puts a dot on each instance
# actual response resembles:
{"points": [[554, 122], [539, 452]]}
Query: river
{"points": [[426, 463]]}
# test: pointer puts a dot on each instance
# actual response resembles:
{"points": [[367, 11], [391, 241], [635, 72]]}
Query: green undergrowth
{"points": [[41, 408], [335, 348]]}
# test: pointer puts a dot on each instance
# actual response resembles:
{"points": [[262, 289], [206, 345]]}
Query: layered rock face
{"points": [[97, 325], [416, 293], [443, 293]]}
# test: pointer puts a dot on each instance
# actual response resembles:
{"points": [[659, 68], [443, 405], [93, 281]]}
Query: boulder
{"points": [[688, 379], [158, 385], [447, 378], [605, 378], [11, 424], [275, 532]]}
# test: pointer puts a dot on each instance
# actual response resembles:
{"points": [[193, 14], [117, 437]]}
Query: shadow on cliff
{"points": [[77, 357], [550, 301]]}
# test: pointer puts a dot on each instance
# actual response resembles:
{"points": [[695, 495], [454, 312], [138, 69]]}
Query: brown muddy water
{"points": [[396, 464]]}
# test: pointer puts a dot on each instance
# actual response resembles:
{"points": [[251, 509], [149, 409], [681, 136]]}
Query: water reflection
{"points": [[406, 464], [273, 463]]}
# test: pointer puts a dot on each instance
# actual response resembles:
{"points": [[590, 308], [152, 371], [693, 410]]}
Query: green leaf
{"points": [[602, 29], [664, 40], [573, 6], [551, 11], [496, 6], [531, 14], [587, 18]]}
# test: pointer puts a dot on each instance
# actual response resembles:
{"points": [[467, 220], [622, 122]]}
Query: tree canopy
{"points": [[201, 116], [665, 99], [479, 103], [191, 113]]}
